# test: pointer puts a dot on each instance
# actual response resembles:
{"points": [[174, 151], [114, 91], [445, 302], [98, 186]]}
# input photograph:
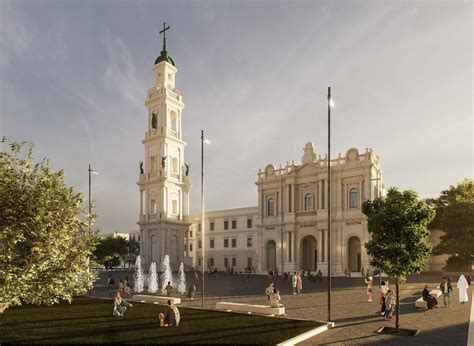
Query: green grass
{"points": [[89, 320]]}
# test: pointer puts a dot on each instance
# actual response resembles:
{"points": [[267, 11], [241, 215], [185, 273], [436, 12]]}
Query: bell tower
{"points": [[164, 183]]}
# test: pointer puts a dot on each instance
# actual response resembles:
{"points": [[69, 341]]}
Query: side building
{"points": [[287, 231]]}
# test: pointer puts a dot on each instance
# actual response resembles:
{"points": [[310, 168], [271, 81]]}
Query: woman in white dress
{"points": [[462, 288]]}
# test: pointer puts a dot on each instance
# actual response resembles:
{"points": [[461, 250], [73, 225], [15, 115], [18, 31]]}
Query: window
{"points": [[271, 207], [234, 224], [211, 262], [226, 242], [191, 247], [174, 206], [249, 223], [234, 262], [153, 206], [308, 201], [199, 227], [199, 262], [226, 224], [199, 244], [211, 243], [226, 262], [152, 163], [174, 165], [249, 241], [249, 262], [234, 242], [138, 238], [211, 226], [190, 234], [353, 198]]}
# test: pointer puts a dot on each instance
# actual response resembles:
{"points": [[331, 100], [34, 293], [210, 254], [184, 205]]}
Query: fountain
{"points": [[138, 275], [152, 279], [167, 275], [181, 279]]}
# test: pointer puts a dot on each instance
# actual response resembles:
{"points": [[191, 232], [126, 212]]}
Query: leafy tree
{"points": [[455, 216], [133, 251], [112, 251], [44, 244], [397, 225]]}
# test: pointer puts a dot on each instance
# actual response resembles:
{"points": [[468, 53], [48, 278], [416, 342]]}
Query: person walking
{"points": [[383, 292], [446, 289], [120, 305], [294, 281], [462, 288], [269, 290], [169, 289], [299, 283], [192, 291], [369, 283], [389, 305]]}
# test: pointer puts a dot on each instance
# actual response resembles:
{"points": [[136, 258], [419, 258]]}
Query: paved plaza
{"points": [[356, 319]]}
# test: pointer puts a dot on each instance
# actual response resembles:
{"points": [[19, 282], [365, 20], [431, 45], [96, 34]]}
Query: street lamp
{"points": [[203, 140], [330, 105], [90, 201]]}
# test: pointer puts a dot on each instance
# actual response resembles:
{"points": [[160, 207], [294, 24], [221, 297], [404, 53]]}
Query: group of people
{"points": [[388, 299], [170, 317], [123, 286]]}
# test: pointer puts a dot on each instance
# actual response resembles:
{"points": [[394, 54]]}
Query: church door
{"points": [[271, 255], [309, 254], [354, 254]]}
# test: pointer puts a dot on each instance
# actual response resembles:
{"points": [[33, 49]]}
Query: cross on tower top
{"points": [[164, 34]]}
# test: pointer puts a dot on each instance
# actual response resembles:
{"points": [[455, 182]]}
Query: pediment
{"points": [[305, 169]]}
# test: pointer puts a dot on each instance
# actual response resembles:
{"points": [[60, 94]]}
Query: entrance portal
{"points": [[309, 253], [271, 255], [354, 254]]}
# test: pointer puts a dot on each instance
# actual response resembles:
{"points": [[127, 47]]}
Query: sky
{"points": [[254, 76]]}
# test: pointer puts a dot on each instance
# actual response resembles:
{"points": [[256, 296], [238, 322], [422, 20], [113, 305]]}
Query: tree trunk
{"points": [[397, 306]]}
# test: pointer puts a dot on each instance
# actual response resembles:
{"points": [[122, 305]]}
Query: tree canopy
{"points": [[44, 241], [111, 252], [397, 226], [455, 216]]}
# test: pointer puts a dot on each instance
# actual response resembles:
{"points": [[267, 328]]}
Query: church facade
{"points": [[287, 230]]}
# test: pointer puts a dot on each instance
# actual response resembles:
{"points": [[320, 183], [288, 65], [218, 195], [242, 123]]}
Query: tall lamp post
{"points": [[330, 105], [90, 201], [203, 140]]}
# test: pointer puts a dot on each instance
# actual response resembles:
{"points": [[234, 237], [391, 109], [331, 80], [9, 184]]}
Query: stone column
{"points": [[141, 203], [259, 246]]}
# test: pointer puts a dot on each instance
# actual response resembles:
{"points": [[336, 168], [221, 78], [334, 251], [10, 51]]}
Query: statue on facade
{"points": [[154, 121], [163, 161], [187, 168], [141, 167]]}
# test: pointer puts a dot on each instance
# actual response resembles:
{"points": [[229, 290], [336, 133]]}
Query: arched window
{"points": [[308, 201], [354, 198], [270, 207]]}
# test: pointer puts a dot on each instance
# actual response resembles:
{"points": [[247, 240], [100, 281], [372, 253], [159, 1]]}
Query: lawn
{"points": [[90, 320]]}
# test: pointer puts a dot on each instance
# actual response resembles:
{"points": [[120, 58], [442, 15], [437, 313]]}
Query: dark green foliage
{"points": [[110, 251], [89, 320], [397, 226], [455, 216]]}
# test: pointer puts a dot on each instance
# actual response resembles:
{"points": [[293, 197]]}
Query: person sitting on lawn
{"points": [[169, 289], [161, 316], [275, 298], [172, 315], [431, 301], [120, 305]]}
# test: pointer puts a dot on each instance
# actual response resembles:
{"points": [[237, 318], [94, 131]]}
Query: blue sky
{"points": [[254, 76]]}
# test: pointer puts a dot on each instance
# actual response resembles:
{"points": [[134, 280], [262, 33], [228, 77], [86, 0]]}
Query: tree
{"points": [[112, 251], [397, 225], [44, 244], [133, 251], [455, 216]]}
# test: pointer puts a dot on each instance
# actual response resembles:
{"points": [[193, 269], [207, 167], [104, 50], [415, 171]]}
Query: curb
{"points": [[307, 335]]}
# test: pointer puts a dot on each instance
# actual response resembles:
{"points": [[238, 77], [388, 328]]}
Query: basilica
{"points": [[285, 231]]}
